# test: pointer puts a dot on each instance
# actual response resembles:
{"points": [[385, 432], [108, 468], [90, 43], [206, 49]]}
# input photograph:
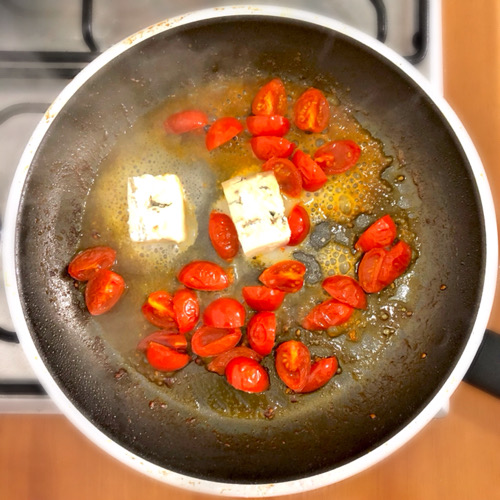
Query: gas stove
{"points": [[43, 45]]}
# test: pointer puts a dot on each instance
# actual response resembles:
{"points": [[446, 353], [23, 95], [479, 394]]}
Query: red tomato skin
{"points": [[395, 263], [168, 338], [261, 332], [158, 309], [186, 309], [287, 276], [224, 312], [185, 121], [293, 364], [346, 290], [270, 99], [247, 375], [263, 298], [299, 223], [380, 234], [103, 291], [329, 313], [311, 111], [222, 131], [336, 157], [321, 372], [276, 125], [210, 341], [369, 270], [219, 363], [88, 262], [223, 235], [313, 177], [204, 275], [266, 147], [287, 175], [165, 359]]}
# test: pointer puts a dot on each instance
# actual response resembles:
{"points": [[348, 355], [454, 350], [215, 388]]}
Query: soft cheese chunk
{"points": [[257, 210], [156, 208]]}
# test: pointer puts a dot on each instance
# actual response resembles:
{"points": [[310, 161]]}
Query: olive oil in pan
{"points": [[348, 203]]}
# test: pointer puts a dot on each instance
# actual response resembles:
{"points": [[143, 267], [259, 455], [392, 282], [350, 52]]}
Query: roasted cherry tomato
{"points": [[299, 223], [380, 234], [103, 291], [247, 375], [369, 270], [224, 313], [270, 99], [204, 275], [287, 276], [158, 309], [313, 176], [86, 263], [267, 147], [287, 175], [293, 364], [211, 341], [218, 364], [336, 157], [165, 359], [186, 309], [329, 313], [261, 332], [262, 298], [223, 235], [346, 290], [185, 121], [321, 372], [221, 131], [395, 263], [167, 338], [276, 125], [311, 111]]}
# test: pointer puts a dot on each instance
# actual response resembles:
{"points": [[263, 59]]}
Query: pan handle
{"points": [[484, 372]]}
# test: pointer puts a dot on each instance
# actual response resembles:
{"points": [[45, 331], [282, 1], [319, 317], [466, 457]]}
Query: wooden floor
{"points": [[456, 457]]}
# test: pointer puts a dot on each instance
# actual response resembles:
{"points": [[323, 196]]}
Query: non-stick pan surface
{"points": [[369, 403]]}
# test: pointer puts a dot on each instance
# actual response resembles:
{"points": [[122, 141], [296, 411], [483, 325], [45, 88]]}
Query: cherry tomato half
{"points": [[247, 375], [164, 337], [299, 223], [224, 313], [276, 125], [223, 235], [266, 147], [204, 275], [261, 332], [313, 176], [321, 372], [369, 270], [287, 276], [165, 359], [329, 313], [219, 363], [262, 298], [222, 131], [336, 157], [380, 234], [158, 309], [293, 364], [210, 341], [86, 263], [186, 309], [103, 291], [287, 175], [312, 111], [396, 260], [270, 99], [346, 290], [185, 121]]}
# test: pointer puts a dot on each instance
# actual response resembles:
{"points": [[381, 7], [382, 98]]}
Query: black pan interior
{"points": [[322, 431]]}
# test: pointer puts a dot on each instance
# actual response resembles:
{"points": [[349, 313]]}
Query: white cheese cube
{"points": [[257, 210], [156, 208]]}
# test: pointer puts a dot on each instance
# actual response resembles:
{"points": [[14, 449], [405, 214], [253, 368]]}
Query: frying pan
{"points": [[370, 409]]}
